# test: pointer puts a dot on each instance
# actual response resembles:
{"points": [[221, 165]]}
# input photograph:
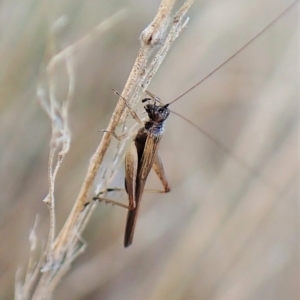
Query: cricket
{"points": [[140, 158], [143, 154]]}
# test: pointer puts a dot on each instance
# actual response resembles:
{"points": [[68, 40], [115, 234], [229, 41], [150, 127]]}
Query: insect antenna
{"points": [[155, 98], [228, 151], [236, 53]]}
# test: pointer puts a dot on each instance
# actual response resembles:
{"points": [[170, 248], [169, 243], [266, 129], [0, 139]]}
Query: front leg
{"points": [[118, 137], [132, 112]]}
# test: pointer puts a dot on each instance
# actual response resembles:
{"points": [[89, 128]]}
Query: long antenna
{"points": [[227, 150], [236, 53]]}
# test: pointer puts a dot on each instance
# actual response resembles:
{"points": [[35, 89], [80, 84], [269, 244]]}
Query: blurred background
{"points": [[224, 231]]}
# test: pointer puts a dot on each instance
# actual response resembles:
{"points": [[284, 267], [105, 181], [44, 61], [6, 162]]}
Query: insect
{"points": [[143, 154], [141, 157]]}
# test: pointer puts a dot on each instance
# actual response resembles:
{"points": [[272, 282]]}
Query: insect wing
{"points": [[131, 169], [144, 168], [147, 159]]}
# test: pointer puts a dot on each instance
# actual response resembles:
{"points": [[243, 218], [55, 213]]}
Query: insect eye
{"points": [[160, 110]]}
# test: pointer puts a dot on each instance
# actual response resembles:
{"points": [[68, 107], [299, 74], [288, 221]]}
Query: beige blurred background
{"points": [[222, 232]]}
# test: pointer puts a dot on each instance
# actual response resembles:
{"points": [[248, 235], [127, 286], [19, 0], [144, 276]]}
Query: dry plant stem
{"points": [[153, 35], [59, 147], [64, 138], [22, 291]]}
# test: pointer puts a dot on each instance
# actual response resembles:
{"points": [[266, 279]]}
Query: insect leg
{"points": [[159, 170], [131, 166], [109, 201], [132, 112], [118, 137], [117, 189]]}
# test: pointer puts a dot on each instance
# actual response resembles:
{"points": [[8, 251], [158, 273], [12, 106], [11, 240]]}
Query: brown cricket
{"points": [[140, 158]]}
